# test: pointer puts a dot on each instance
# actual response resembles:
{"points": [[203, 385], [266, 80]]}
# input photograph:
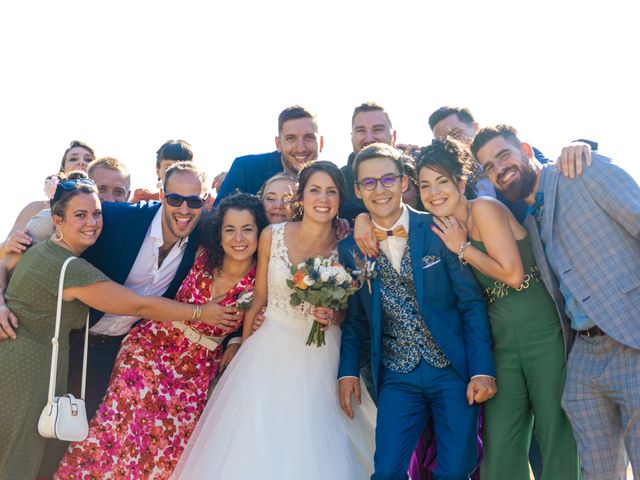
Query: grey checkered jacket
{"points": [[594, 222]]}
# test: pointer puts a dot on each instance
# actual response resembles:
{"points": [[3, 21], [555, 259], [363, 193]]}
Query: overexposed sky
{"points": [[124, 76]]}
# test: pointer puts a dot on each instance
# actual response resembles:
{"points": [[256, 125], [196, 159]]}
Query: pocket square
{"points": [[429, 261]]}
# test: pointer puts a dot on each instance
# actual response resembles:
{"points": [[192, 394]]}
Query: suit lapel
{"points": [[416, 238], [186, 263], [132, 241], [549, 189]]}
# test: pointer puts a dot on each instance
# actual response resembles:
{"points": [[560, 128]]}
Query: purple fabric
{"points": [[423, 461]]}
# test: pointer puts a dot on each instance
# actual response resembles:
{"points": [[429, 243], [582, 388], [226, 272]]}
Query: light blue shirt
{"points": [[579, 319]]}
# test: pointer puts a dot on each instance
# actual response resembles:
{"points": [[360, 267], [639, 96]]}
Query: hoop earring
{"points": [[55, 236]]}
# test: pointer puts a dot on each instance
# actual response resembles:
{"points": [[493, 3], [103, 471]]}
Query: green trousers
{"points": [[530, 373]]}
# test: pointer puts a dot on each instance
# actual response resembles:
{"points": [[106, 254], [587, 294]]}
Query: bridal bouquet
{"points": [[323, 283]]}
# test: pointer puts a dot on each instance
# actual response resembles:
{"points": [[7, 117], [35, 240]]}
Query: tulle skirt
{"points": [[275, 413]]}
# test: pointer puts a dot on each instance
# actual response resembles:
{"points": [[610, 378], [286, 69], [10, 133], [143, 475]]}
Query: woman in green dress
{"points": [[32, 295], [527, 336]]}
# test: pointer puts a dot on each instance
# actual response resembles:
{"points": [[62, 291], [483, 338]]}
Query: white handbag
{"points": [[65, 417]]}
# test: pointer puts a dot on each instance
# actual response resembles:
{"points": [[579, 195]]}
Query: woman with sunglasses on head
{"points": [[527, 336], [159, 383], [31, 298], [76, 157]]}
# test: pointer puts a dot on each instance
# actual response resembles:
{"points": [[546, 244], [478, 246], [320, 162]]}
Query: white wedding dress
{"points": [[275, 414]]}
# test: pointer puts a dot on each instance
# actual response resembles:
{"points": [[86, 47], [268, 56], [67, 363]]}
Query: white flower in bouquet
{"points": [[325, 274], [308, 281], [340, 275]]}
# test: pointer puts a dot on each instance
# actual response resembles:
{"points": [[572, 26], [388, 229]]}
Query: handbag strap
{"points": [[54, 351]]}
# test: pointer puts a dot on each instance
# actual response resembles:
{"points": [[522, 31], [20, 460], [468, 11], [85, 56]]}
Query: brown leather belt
{"points": [[592, 332]]}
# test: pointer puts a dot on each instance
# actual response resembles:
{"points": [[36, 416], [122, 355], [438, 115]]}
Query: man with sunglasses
{"points": [[147, 247], [426, 317]]}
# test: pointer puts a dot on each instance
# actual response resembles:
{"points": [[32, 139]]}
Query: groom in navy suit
{"points": [[430, 341]]}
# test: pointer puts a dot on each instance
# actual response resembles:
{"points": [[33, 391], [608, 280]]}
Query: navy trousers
{"points": [[406, 401]]}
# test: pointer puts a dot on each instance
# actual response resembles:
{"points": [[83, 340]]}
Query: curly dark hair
{"points": [[449, 157], [212, 225], [452, 158]]}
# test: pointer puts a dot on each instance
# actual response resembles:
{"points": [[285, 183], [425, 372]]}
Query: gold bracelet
{"points": [[197, 313]]}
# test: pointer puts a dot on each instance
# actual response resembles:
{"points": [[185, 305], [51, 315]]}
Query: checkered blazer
{"points": [[594, 222]]}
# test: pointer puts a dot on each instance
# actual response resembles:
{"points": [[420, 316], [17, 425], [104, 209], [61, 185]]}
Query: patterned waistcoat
{"points": [[406, 339]]}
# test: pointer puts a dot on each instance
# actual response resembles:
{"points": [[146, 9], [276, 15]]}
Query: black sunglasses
{"points": [[176, 200], [69, 185]]}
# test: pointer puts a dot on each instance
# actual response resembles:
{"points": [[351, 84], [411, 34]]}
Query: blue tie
{"points": [[538, 206]]}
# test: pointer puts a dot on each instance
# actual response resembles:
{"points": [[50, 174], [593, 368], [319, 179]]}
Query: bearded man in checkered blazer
{"points": [[588, 228]]}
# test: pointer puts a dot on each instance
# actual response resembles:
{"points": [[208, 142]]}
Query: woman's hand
{"points": [[8, 323], [451, 231], [220, 316], [324, 315], [363, 235], [16, 243], [258, 321], [342, 228], [227, 356]]}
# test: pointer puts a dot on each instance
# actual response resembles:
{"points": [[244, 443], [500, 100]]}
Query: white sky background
{"points": [[124, 76]]}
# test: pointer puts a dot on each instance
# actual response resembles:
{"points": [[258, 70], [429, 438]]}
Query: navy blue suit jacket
{"points": [[124, 229], [450, 299], [248, 173]]}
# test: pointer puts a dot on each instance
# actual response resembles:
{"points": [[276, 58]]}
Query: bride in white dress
{"points": [[275, 413]]}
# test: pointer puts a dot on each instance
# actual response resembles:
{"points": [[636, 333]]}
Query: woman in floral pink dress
{"points": [[159, 384]]}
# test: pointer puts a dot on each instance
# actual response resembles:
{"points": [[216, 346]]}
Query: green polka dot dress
{"points": [[25, 362]]}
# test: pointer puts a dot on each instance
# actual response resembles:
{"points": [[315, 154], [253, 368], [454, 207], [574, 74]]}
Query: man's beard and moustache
{"points": [[522, 187]]}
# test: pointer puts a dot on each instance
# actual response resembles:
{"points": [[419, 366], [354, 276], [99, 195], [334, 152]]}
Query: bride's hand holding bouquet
{"points": [[327, 285]]}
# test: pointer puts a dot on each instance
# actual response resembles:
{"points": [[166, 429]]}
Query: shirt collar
{"points": [[402, 221], [155, 231]]}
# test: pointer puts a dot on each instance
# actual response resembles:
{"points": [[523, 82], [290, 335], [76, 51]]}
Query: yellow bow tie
{"points": [[381, 235]]}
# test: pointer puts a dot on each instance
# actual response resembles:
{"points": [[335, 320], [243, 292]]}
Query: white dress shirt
{"points": [[393, 246], [145, 277]]}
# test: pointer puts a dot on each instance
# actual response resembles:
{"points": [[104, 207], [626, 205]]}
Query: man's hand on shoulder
{"points": [[573, 158]]}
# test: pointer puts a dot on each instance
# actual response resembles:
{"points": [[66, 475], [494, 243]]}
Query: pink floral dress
{"points": [[157, 391]]}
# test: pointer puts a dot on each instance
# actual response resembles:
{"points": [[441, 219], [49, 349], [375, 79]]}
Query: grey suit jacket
{"points": [[594, 222]]}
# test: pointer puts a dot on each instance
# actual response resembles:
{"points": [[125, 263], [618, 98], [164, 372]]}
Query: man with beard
{"points": [[297, 144], [460, 124], [588, 228]]}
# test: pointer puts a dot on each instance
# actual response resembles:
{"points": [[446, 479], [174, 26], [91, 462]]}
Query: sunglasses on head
{"points": [[176, 200], [69, 185]]}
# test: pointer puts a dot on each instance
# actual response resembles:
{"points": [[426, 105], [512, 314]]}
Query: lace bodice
{"points": [[278, 290]]}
